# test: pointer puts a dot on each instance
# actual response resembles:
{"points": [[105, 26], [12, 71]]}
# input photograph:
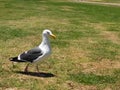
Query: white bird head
{"points": [[47, 32]]}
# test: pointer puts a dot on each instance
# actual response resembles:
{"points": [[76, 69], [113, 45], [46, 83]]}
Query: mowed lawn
{"points": [[85, 54]]}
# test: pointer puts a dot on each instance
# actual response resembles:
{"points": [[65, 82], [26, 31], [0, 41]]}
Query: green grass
{"points": [[7, 33], [92, 79], [85, 54]]}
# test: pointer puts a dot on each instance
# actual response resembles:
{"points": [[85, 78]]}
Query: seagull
{"points": [[38, 53]]}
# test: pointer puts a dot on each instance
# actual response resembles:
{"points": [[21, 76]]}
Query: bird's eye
{"points": [[48, 33]]}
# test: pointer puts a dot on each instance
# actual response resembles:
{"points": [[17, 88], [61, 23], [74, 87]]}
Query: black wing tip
{"points": [[13, 58]]}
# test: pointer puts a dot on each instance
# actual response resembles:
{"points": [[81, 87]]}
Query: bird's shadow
{"points": [[37, 74]]}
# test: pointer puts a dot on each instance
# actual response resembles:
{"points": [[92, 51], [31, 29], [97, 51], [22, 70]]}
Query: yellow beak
{"points": [[53, 36]]}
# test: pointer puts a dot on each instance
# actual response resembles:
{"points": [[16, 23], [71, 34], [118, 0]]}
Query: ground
{"points": [[85, 54]]}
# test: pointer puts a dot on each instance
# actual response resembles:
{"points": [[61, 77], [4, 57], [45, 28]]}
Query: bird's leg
{"points": [[37, 68], [26, 68]]}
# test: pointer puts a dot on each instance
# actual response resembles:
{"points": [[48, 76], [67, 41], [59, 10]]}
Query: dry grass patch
{"points": [[13, 88], [75, 86], [97, 26], [67, 8], [33, 22], [103, 27], [111, 36], [73, 53], [97, 67]]}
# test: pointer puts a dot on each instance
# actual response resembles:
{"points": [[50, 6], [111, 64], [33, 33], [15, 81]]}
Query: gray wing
{"points": [[31, 55]]}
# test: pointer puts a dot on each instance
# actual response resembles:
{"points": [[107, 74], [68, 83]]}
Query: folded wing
{"points": [[31, 55]]}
